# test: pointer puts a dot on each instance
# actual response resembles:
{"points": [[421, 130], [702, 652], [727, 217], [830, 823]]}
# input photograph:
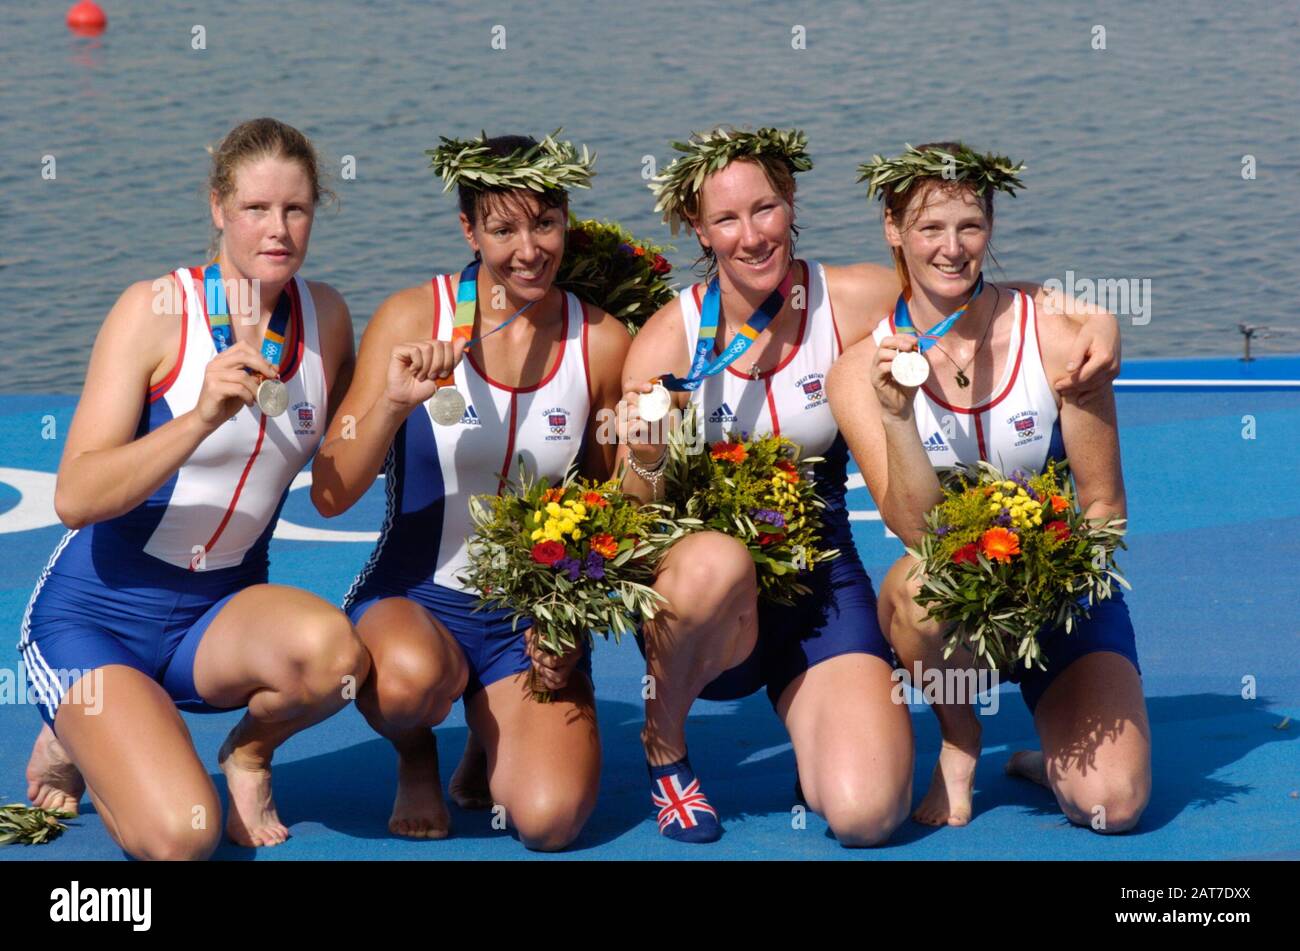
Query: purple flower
{"points": [[942, 530], [1020, 478], [569, 565], [625, 248], [769, 517], [1003, 518], [595, 566]]}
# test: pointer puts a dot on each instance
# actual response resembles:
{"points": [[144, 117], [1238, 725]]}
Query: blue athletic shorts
{"points": [[837, 617], [75, 625], [1107, 628], [493, 648]]}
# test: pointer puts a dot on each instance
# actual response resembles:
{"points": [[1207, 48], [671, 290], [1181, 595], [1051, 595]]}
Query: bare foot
{"points": [[469, 784], [253, 820], [1028, 764], [419, 811], [948, 801], [53, 783]]}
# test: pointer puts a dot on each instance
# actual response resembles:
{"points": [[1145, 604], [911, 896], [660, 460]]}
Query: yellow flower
{"points": [[567, 525], [577, 534], [995, 508], [553, 508], [1009, 485], [537, 534], [998, 496], [579, 511]]}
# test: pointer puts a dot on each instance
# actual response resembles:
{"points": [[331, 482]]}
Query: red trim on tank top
{"points": [[162, 386], [979, 438], [295, 347], [586, 356], [510, 441], [559, 360], [437, 307], [771, 408], [1015, 372], [234, 499], [798, 342]]}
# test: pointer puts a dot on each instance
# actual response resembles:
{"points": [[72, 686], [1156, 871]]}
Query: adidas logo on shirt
{"points": [[471, 417], [723, 414], [935, 443]]}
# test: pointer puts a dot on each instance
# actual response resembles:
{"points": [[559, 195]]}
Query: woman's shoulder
{"points": [[1053, 326]]}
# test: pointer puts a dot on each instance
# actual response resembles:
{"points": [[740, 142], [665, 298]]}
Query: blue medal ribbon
{"points": [[701, 364], [223, 334], [903, 321]]}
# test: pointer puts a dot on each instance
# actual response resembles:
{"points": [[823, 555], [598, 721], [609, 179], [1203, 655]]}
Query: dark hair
{"points": [[471, 199], [897, 204], [259, 138], [778, 175]]}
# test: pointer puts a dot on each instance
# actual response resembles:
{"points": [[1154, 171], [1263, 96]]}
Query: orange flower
{"points": [[1059, 504], [595, 500], [788, 467], [731, 451], [552, 495], [999, 544], [604, 545]]}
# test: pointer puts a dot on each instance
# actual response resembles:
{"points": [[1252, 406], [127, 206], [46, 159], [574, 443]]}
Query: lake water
{"points": [[1135, 151]]}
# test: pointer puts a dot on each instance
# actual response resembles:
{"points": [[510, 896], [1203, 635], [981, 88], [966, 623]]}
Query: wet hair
{"points": [[899, 206], [483, 201], [261, 138], [778, 175]]}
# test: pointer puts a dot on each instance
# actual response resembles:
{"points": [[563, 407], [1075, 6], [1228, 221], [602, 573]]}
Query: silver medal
{"points": [[447, 406], [272, 397], [910, 368], [654, 405]]}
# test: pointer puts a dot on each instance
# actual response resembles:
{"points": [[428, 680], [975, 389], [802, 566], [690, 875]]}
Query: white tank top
{"points": [[1017, 428], [227, 493], [787, 400], [431, 470]]}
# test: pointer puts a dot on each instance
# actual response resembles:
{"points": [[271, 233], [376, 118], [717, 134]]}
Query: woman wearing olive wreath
{"points": [[825, 663], [442, 421], [989, 359]]}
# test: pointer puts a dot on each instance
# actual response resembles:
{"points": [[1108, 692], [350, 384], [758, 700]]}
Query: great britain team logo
{"points": [[813, 389], [557, 421], [1025, 427], [303, 417]]}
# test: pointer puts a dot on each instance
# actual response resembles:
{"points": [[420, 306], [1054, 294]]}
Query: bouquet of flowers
{"points": [[1005, 557], [574, 559], [606, 266], [756, 490]]}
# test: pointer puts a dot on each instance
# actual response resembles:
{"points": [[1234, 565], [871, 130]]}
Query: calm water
{"points": [[1135, 152]]}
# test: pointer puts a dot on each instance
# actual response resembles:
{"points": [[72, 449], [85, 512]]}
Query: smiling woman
{"points": [[534, 390]]}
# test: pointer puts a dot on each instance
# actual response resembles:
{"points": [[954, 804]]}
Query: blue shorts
{"points": [[75, 625], [493, 647], [1108, 628], [837, 617]]}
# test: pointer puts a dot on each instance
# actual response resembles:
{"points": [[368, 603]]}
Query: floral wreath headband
{"points": [[962, 164], [549, 165], [708, 152]]}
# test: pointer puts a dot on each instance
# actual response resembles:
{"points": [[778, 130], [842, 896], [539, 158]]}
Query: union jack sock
{"points": [[684, 813]]}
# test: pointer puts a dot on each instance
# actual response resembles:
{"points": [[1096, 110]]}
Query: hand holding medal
{"points": [[271, 394]]}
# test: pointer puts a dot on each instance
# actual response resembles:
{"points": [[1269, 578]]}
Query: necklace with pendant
{"points": [[963, 380]]}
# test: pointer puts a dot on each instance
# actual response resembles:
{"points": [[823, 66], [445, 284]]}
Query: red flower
{"points": [[789, 468], [1058, 528], [731, 451], [765, 538], [548, 552], [604, 545], [595, 500], [999, 544], [661, 265], [639, 252], [965, 555]]}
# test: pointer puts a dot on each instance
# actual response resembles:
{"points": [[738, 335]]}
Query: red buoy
{"points": [[86, 18]]}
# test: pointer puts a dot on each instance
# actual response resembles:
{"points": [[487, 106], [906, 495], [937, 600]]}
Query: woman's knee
{"points": [[326, 657], [413, 683], [861, 817], [551, 821], [177, 833], [725, 561], [1108, 802]]}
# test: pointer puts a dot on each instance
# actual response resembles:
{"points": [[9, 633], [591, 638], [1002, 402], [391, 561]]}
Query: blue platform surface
{"points": [[1211, 468]]}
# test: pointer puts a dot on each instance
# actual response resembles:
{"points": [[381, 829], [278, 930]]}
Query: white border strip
{"points": [[1212, 384]]}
